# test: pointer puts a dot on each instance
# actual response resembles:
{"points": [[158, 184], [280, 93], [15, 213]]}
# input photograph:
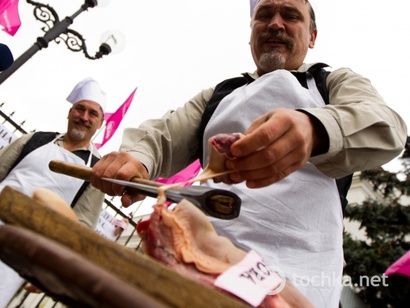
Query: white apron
{"points": [[296, 224], [33, 172]]}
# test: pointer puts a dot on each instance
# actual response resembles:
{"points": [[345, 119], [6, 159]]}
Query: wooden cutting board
{"points": [[70, 278], [140, 271]]}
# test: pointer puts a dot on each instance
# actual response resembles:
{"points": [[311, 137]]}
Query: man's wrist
{"points": [[320, 137]]}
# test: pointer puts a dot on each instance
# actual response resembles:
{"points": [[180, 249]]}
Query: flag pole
{"points": [[99, 132]]}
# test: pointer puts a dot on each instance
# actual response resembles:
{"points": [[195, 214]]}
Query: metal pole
{"points": [[42, 42], [19, 62]]}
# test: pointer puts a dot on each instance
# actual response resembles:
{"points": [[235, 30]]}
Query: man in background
{"points": [[24, 165]]}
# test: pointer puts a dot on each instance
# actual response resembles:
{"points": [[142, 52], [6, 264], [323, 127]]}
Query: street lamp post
{"points": [[55, 30]]}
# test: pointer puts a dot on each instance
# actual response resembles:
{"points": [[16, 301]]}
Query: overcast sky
{"points": [[174, 49]]}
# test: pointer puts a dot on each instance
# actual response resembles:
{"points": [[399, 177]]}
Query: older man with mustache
{"points": [[307, 129], [24, 165]]}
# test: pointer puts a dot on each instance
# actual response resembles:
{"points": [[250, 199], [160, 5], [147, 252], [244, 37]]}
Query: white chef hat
{"points": [[253, 3], [88, 89]]}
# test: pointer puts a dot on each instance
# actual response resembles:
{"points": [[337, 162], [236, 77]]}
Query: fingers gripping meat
{"points": [[221, 143], [218, 151]]}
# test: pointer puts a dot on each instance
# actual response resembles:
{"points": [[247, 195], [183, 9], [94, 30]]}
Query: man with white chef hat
{"points": [[24, 165]]}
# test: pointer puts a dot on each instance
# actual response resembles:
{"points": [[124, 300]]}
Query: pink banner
{"points": [[9, 16], [183, 176], [113, 120], [186, 174], [401, 266]]}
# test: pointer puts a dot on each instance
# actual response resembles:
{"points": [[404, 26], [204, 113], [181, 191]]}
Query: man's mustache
{"points": [[277, 36], [85, 123]]}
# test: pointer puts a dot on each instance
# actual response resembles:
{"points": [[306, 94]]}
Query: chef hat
{"points": [[253, 4], [88, 89]]}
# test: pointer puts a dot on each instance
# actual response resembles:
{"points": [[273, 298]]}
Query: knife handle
{"points": [[84, 173], [77, 171]]}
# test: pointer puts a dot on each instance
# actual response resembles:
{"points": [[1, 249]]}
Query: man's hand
{"points": [[121, 166], [274, 146]]}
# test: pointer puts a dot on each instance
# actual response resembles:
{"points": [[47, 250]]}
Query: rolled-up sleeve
{"points": [[364, 132]]}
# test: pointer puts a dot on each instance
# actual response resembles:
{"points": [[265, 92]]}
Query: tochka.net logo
{"points": [[322, 280]]}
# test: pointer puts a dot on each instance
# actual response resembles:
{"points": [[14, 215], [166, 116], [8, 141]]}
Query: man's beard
{"points": [[273, 59], [270, 61], [77, 134]]}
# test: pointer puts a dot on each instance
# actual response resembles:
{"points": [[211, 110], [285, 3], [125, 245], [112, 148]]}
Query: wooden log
{"points": [[66, 276], [141, 271]]}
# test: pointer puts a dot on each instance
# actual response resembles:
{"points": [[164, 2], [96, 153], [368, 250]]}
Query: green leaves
{"points": [[386, 223]]}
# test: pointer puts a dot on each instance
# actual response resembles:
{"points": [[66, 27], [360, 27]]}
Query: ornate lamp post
{"points": [[58, 30]]}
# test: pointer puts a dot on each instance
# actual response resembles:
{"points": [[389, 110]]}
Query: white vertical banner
{"points": [[109, 226], [6, 136]]}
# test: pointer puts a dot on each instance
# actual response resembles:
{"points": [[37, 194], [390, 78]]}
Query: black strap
{"points": [[223, 89], [84, 155]]}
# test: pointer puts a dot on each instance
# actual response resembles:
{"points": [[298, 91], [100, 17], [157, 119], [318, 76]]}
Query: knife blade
{"points": [[218, 203]]}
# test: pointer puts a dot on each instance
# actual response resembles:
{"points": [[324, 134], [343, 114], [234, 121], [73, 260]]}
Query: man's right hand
{"points": [[120, 166]]}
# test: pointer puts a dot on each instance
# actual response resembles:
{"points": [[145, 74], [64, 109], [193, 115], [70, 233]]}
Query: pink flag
{"points": [[9, 16], [183, 176], [113, 120], [401, 266]]}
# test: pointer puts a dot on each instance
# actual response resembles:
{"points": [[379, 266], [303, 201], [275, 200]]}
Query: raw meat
{"points": [[218, 152], [222, 142], [184, 240]]}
